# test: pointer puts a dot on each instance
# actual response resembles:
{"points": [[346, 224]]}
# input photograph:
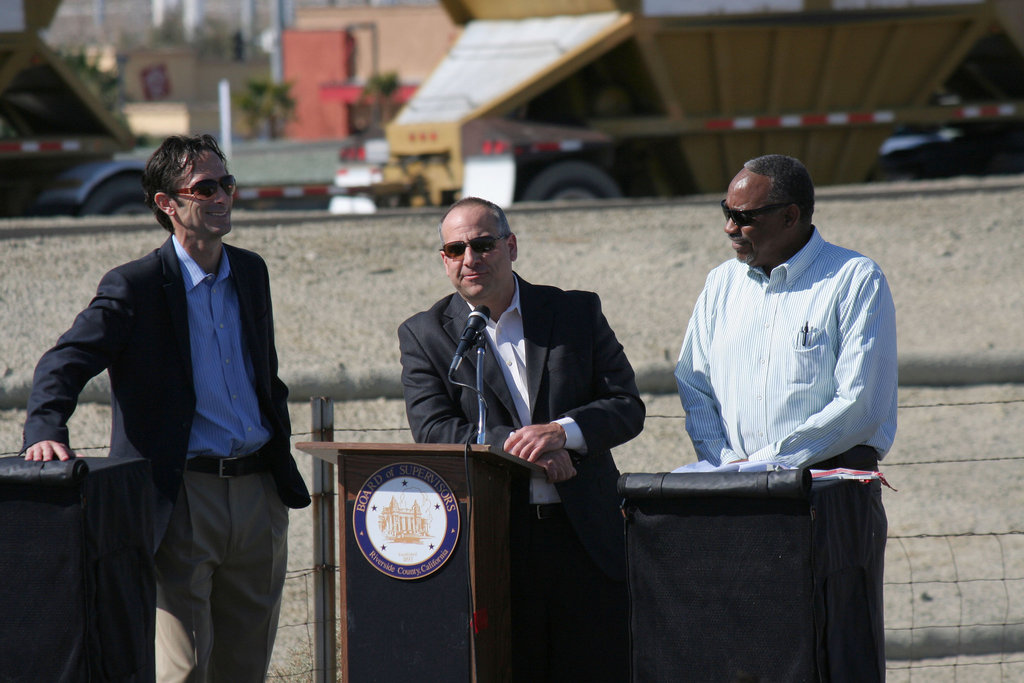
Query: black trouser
{"points": [[570, 622]]}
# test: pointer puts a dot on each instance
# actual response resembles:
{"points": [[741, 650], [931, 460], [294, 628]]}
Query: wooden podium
{"points": [[447, 617]]}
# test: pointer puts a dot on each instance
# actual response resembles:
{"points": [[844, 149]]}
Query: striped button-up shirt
{"points": [[227, 420], [794, 367]]}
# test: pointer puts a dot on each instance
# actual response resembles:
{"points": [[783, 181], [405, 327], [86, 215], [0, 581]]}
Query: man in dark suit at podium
{"points": [[560, 393]]}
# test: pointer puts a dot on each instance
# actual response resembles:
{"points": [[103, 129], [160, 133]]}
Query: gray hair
{"points": [[790, 182], [497, 214]]}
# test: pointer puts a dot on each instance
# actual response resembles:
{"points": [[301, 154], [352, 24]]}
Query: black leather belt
{"points": [[547, 511], [857, 458], [229, 467]]}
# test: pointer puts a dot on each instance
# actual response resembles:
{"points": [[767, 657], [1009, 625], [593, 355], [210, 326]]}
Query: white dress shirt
{"points": [[795, 367], [508, 342]]}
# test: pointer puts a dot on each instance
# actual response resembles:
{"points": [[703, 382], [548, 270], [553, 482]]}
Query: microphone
{"points": [[474, 326]]}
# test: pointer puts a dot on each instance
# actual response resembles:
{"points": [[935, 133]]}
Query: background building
{"points": [[332, 53], [171, 54]]}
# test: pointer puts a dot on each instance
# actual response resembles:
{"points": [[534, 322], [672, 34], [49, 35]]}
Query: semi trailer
{"points": [[561, 99]]}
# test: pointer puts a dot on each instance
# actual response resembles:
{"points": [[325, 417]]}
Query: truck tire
{"points": [[120, 195], [571, 180]]}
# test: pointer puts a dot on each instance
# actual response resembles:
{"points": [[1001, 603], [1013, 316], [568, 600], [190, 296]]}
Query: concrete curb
{"points": [[652, 378]]}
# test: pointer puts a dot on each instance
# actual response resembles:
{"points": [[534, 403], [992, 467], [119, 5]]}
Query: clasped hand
{"points": [[544, 445]]}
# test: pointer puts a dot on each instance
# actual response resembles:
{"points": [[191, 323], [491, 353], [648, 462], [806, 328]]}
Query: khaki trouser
{"points": [[220, 572]]}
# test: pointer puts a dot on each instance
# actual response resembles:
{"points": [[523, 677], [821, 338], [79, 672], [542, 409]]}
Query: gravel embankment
{"points": [[952, 252]]}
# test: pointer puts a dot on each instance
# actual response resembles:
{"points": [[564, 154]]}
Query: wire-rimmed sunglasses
{"points": [[481, 245], [206, 188], [744, 218]]}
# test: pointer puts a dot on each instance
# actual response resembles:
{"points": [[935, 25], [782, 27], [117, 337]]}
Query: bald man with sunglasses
{"points": [[790, 357], [560, 393], [790, 353], [186, 334]]}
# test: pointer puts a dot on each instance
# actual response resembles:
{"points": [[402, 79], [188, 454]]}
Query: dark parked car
{"points": [[974, 150]]}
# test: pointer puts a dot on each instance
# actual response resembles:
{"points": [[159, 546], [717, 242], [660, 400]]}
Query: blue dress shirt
{"points": [[227, 420]]}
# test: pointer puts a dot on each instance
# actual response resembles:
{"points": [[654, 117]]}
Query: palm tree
{"points": [[379, 89], [267, 106]]}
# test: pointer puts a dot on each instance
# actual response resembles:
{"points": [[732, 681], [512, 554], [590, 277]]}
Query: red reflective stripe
{"points": [[814, 120], [41, 146], [278, 192], [990, 110], [792, 121]]}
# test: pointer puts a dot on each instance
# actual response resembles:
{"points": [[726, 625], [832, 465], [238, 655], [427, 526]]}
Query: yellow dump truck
{"points": [[548, 99]]}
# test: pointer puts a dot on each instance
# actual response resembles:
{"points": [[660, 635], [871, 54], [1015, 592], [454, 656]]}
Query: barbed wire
{"points": [[1000, 458], [369, 430], [297, 665], [372, 430], [357, 430], [914, 666], [907, 406], [959, 627], [965, 534]]}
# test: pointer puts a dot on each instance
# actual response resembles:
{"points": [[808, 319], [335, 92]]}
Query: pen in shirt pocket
{"points": [[804, 332]]}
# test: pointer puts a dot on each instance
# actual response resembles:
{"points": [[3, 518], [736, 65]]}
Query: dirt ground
{"points": [[951, 250]]}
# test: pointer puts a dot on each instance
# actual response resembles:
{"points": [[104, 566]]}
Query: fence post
{"points": [[325, 664]]}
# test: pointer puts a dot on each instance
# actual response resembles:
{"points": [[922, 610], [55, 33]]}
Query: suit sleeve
{"points": [[87, 349], [610, 411], [278, 389], [435, 406]]}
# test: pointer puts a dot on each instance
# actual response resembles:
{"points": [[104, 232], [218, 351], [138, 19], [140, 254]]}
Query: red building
{"points": [[331, 52]]}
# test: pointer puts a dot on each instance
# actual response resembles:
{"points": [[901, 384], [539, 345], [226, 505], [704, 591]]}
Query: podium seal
{"points": [[406, 520]]}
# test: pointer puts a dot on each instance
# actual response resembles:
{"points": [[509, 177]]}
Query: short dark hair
{"points": [[500, 220], [168, 166], [790, 182]]}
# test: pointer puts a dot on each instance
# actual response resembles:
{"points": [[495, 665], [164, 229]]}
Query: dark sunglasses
{"points": [[744, 218], [481, 245], [206, 188]]}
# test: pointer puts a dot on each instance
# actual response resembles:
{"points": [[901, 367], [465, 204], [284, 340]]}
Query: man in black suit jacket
{"points": [[213, 450], [560, 393]]}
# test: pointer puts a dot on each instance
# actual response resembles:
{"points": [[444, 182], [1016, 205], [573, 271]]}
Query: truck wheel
{"points": [[571, 180], [120, 195]]}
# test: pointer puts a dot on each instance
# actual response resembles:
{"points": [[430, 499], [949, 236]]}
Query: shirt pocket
{"points": [[807, 356]]}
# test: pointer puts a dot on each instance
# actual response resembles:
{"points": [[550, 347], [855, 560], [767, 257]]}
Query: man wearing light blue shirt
{"points": [[790, 357], [790, 353]]}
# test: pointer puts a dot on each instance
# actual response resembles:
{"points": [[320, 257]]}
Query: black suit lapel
{"points": [[174, 292], [538, 320], [457, 316]]}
